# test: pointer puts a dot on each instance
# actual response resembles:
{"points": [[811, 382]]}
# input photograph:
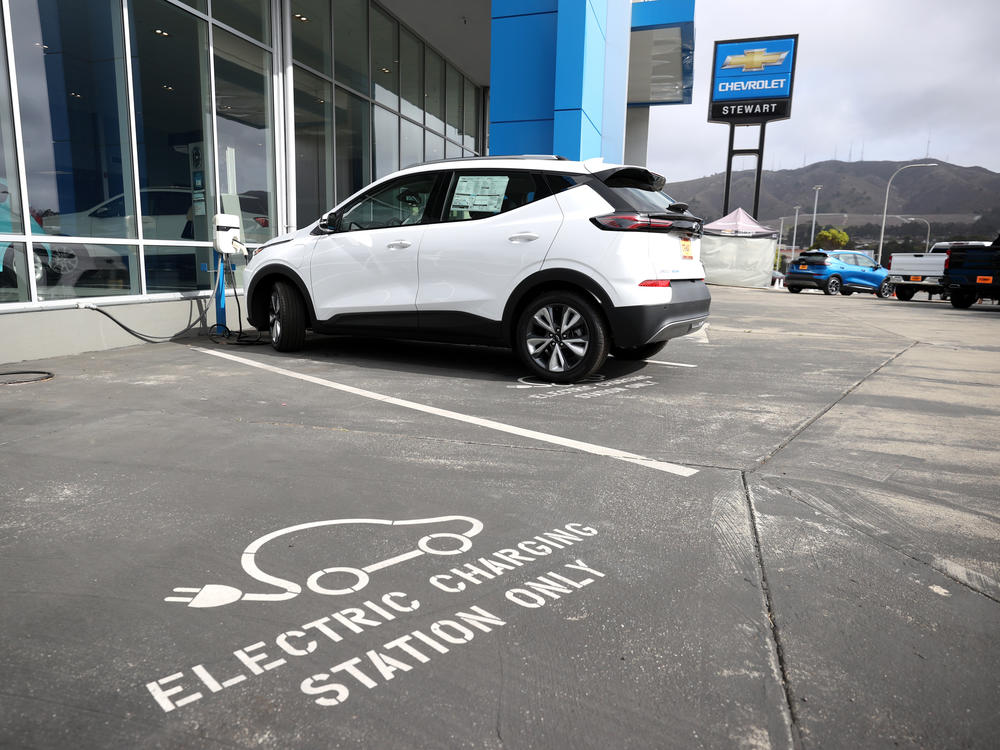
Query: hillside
{"points": [[946, 193]]}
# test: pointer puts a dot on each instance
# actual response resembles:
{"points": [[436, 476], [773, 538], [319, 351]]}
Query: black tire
{"points": [[884, 290], [286, 317], [905, 293], [833, 285], [963, 299], [638, 353], [561, 337], [794, 289], [846, 292]]}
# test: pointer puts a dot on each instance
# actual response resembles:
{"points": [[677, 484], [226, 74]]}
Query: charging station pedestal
{"points": [[227, 242]]}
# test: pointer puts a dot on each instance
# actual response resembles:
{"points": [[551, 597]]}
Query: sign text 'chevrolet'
{"points": [[752, 80]]}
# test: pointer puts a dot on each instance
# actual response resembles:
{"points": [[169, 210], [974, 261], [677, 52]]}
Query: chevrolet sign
{"points": [[752, 80]]}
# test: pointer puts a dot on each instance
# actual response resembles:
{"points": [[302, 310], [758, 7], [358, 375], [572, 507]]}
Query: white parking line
{"points": [[669, 364], [489, 424]]}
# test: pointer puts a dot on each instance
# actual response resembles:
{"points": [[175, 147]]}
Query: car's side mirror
{"points": [[329, 222]]}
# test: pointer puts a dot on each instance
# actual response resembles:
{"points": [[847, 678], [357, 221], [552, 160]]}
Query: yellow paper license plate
{"points": [[803, 268], [686, 248], [916, 278], [984, 279]]}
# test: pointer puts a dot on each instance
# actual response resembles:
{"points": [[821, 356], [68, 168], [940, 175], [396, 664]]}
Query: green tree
{"points": [[831, 239]]}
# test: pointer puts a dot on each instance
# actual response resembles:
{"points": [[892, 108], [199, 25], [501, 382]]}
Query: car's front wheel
{"points": [[833, 285], [884, 290], [637, 353], [286, 317], [561, 337]]}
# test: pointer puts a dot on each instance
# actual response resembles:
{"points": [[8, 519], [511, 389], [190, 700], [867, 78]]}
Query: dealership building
{"points": [[126, 125]]}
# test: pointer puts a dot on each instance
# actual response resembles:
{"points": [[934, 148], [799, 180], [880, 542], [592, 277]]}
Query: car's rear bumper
{"points": [[805, 281], [644, 324]]}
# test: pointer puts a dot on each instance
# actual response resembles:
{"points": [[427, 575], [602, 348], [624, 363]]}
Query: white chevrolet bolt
{"points": [[564, 261]]}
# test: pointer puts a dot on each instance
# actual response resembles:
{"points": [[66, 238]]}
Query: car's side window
{"points": [[864, 262], [401, 202], [481, 194]]}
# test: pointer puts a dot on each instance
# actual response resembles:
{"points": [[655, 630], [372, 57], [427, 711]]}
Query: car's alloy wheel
{"points": [[561, 337], [832, 285], [884, 289], [286, 317]]}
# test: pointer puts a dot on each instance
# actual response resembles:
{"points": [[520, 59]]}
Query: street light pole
{"points": [[927, 244], [795, 228], [812, 234], [885, 208]]}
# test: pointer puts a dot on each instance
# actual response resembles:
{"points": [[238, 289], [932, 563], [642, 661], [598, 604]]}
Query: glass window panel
{"points": [[411, 75], [452, 150], [14, 272], [91, 270], [471, 127], [201, 5], [178, 269], [434, 90], [173, 122], [10, 193], [350, 43], [386, 136], [252, 17], [70, 70], [353, 121], [433, 147], [312, 36], [385, 59], [411, 144], [453, 101], [401, 202], [245, 134], [313, 147]]}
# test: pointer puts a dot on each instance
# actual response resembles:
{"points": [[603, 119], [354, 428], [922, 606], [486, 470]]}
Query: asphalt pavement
{"points": [[782, 532]]}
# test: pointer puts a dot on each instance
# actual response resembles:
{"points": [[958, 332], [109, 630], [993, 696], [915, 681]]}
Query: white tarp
{"points": [[738, 261]]}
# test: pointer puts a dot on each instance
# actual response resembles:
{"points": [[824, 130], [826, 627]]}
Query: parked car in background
{"points": [[565, 262], [972, 273], [921, 272], [837, 272]]}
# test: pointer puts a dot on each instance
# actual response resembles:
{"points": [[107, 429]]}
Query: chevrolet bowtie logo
{"points": [[754, 59]]}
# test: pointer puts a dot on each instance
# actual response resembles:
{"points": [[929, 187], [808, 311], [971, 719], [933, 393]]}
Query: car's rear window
{"points": [[622, 197], [812, 258]]}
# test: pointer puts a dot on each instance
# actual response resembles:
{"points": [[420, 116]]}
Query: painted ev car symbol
{"points": [[217, 594]]}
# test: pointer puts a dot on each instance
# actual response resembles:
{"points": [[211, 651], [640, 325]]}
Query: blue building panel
{"points": [[524, 137], [575, 135], [522, 67], [656, 14], [503, 8]]}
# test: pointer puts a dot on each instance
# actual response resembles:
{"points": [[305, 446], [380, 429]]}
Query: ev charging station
{"points": [[227, 242]]}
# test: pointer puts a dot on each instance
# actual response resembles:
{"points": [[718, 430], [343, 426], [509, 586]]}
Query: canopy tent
{"points": [[737, 251]]}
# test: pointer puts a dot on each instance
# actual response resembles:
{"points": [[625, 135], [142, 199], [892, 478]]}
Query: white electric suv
{"points": [[564, 261]]}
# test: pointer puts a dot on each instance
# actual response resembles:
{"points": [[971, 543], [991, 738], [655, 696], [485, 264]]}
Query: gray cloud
{"points": [[883, 76]]}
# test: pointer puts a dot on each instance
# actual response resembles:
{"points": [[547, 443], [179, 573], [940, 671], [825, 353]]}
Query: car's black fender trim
{"points": [[550, 278], [257, 312]]}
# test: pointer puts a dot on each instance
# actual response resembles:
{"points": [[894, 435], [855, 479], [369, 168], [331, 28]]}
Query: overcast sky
{"points": [[873, 77]]}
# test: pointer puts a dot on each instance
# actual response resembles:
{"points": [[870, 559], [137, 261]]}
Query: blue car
{"points": [[837, 272]]}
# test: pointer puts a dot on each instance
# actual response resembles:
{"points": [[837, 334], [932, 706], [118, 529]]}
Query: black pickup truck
{"points": [[972, 273]]}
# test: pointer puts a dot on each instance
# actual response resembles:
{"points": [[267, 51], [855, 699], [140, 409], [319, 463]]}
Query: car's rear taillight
{"points": [[655, 282], [947, 259], [624, 222], [890, 263]]}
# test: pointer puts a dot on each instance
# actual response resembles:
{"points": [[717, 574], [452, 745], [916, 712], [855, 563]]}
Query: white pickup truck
{"points": [[921, 272]]}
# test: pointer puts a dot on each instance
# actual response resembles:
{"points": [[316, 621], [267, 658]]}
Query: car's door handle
{"points": [[522, 237], [399, 245]]}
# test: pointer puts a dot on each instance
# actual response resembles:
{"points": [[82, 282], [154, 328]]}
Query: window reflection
{"points": [[13, 273], [85, 270], [453, 101], [249, 16], [313, 147], [434, 91], [350, 43], [411, 73], [312, 37], [385, 59], [70, 70], [411, 144], [10, 200], [178, 269], [353, 121], [245, 134], [386, 139], [173, 122]]}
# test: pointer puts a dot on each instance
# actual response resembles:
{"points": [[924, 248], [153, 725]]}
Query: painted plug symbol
{"points": [[209, 595]]}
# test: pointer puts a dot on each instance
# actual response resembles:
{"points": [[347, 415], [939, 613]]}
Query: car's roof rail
{"points": [[554, 157]]}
